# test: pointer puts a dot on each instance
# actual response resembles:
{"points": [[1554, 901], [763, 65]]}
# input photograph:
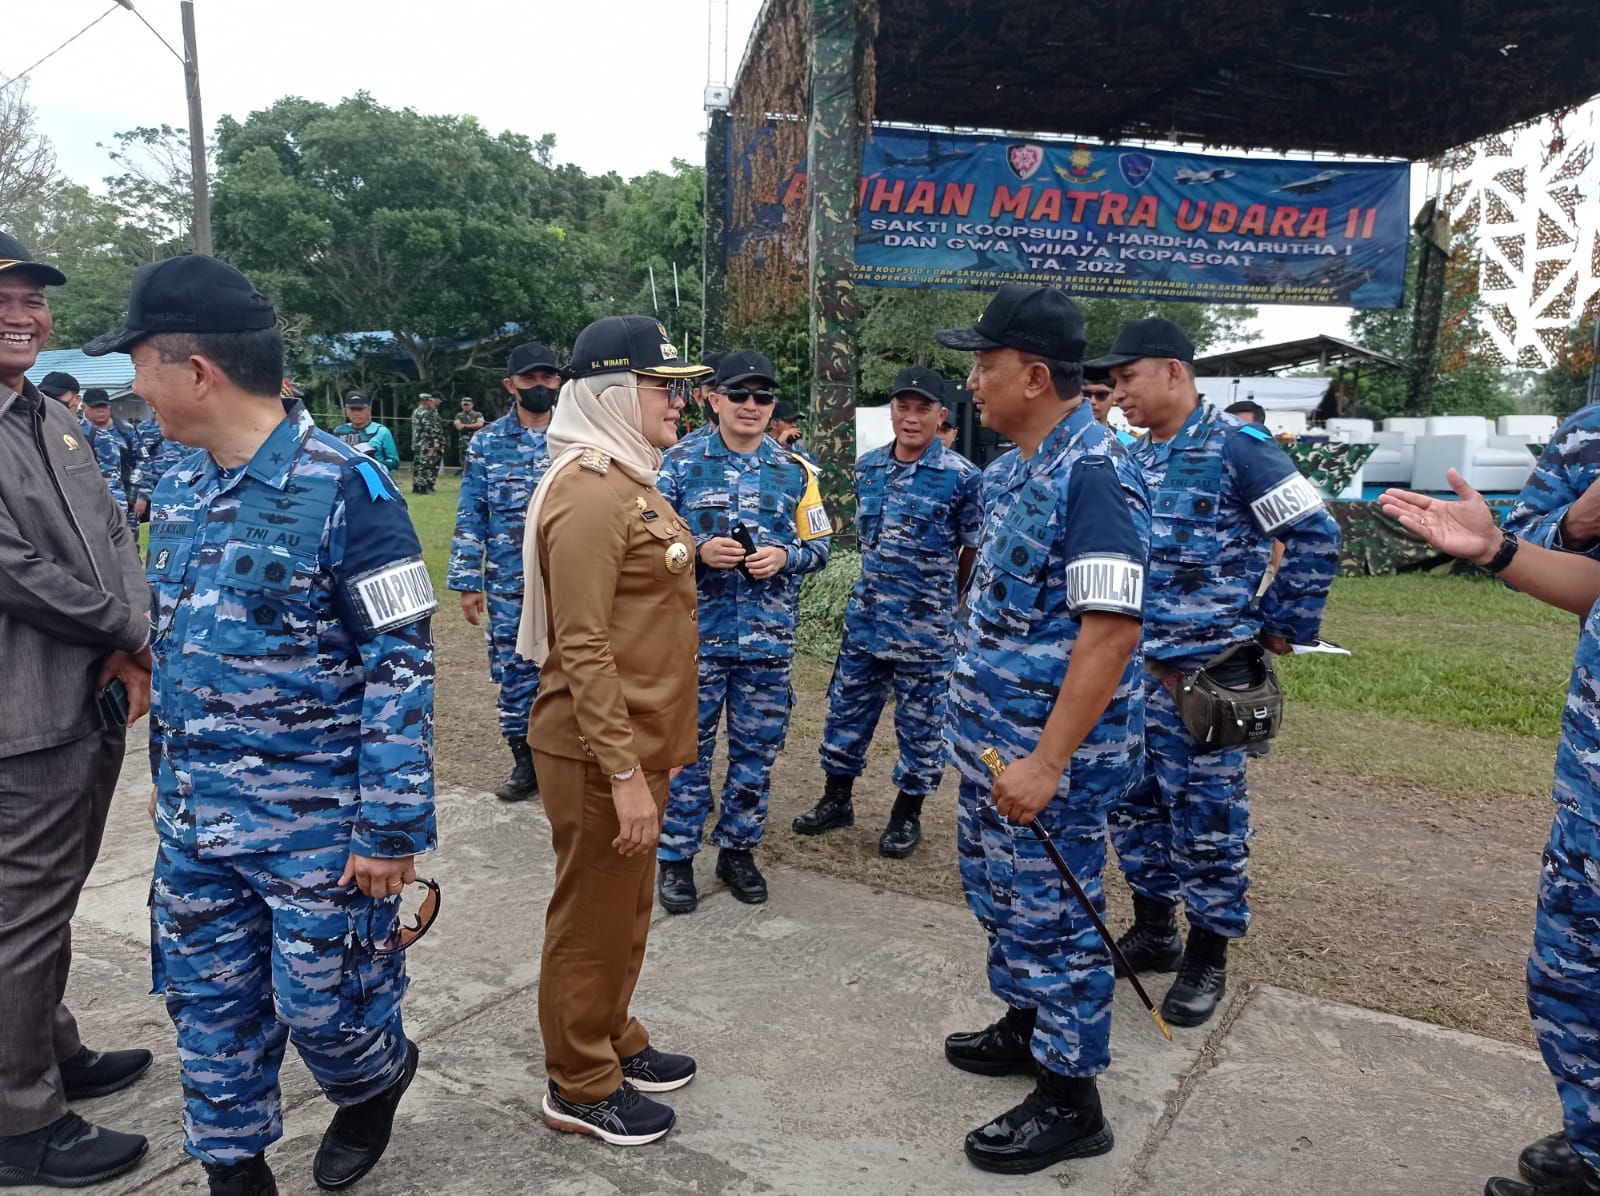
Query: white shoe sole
{"points": [[660, 1086], [568, 1124]]}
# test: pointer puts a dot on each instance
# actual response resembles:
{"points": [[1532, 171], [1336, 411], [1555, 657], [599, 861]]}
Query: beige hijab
{"points": [[598, 412]]}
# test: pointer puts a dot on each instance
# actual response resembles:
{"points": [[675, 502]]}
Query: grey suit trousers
{"points": [[53, 806]]}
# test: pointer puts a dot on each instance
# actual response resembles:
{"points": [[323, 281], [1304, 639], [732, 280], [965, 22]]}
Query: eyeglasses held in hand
{"points": [[678, 389], [412, 918], [762, 398]]}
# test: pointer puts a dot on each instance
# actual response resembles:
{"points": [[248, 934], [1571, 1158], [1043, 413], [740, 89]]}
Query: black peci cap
{"points": [[193, 293], [15, 258], [1150, 337], [638, 344], [525, 359], [919, 380], [57, 383], [742, 365], [1039, 320]]}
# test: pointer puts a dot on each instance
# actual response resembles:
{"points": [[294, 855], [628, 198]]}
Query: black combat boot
{"points": [[1153, 943], [521, 784], [1202, 980], [904, 832], [737, 869], [250, 1178], [1060, 1119], [1552, 1161], [1582, 1182], [832, 812], [675, 886], [1000, 1049], [359, 1134]]}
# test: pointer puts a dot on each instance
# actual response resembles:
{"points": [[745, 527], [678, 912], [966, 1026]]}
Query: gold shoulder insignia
{"points": [[595, 461]]}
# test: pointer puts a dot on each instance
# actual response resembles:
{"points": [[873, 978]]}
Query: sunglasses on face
{"points": [[404, 932], [761, 398], [1096, 393]]}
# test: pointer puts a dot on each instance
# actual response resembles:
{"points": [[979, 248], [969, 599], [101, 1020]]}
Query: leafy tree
{"points": [[653, 222], [155, 186], [27, 163], [1564, 387]]}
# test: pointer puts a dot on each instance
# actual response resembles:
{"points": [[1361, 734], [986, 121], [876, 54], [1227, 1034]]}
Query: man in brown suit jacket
{"points": [[610, 612], [74, 615]]}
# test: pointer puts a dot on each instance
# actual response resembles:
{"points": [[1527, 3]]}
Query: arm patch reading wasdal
{"points": [[1284, 503]]}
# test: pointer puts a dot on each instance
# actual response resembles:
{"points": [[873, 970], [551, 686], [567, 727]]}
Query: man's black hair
{"points": [[252, 361], [1249, 407], [1065, 376]]}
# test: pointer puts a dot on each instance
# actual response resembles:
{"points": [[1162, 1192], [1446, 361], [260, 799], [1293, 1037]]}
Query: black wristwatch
{"points": [[1508, 549]]}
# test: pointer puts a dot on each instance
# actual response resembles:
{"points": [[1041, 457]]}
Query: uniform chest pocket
{"points": [[511, 494], [1015, 561], [707, 512], [1183, 526], [264, 602]]}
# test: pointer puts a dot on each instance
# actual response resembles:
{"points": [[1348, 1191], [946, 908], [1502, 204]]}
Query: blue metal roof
{"points": [[113, 371]]}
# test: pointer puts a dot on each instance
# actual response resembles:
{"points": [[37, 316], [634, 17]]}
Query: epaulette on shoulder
{"points": [[595, 461]]}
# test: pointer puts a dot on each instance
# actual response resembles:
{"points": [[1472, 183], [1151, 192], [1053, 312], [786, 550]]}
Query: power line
{"points": [[129, 6], [65, 44]]}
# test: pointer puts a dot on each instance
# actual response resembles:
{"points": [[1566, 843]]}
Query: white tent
{"points": [[1274, 394]]}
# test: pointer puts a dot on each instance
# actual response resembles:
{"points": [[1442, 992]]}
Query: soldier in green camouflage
{"points": [[427, 444]]}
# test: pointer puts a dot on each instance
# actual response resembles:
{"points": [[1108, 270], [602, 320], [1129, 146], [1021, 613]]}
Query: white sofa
{"points": [[1390, 463], [1530, 429], [1469, 444]]}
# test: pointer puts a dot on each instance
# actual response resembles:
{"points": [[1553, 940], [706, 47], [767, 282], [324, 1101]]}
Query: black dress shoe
{"points": [[89, 1074], [1202, 980], [675, 886], [68, 1153], [250, 1178], [904, 831], [1552, 1161], [998, 1050], [1153, 943], [1060, 1119], [737, 870], [1587, 1184], [835, 810], [359, 1134]]}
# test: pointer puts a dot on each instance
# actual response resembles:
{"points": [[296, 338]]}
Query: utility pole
{"points": [[197, 133]]}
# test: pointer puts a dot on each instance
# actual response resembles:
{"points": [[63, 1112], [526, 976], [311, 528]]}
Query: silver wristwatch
{"points": [[625, 775]]}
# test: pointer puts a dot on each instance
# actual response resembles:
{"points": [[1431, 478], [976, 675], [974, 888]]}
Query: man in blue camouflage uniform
{"points": [[1220, 493], [160, 453], [364, 434], [1048, 675], [129, 454], [291, 738], [738, 480], [918, 516], [502, 467], [1559, 507], [1563, 989], [703, 391]]}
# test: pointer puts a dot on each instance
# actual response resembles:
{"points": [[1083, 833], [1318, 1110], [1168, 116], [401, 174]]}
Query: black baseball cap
{"points": [[638, 344], [1038, 320], [96, 396], [57, 383], [525, 359], [357, 398], [192, 293], [785, 410], [742, 365], [919, 380], [713, 359], [1149, 337], [14, 257]]}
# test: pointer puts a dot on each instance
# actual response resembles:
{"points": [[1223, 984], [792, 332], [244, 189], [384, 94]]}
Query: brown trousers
{"points": [[53, 806], [595, 930]]}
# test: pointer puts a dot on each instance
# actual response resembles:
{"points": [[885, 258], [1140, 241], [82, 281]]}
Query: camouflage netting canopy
{"points": [[1365, 77]]}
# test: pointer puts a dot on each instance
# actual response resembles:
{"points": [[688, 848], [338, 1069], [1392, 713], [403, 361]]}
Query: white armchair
{"points": [[1488, 461], [1390, 463], [1530, 429]]}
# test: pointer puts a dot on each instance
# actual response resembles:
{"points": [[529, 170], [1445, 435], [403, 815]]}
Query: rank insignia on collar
{"points": [[677, 557], [595, 461]]}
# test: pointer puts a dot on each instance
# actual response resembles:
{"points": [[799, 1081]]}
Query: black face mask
{"points": [[537, 399]]}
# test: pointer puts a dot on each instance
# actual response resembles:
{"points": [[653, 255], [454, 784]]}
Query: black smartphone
{"points": [[741, 533], [114, 703]]}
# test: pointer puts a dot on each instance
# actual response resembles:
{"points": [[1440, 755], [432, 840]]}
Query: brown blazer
{"points": [[621, 684]]}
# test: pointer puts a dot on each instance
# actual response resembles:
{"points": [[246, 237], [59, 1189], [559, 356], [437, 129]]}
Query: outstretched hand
{"points": [[1464, 528]]}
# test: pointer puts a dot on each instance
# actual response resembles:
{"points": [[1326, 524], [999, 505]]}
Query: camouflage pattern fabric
{"points": [[714, 488], [860, 686], [374, 440], [1182, 832], [757, 697], [253, 951], [517, 677], [1044, 953], [1569, 465], [1329, 467], [1065, 533], [1372, 544], [108, 455], [427, 449], [160, 453]]}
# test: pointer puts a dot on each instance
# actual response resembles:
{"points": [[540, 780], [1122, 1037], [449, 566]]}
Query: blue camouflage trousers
{"points": [[1044, 953], [1563, 967], [517, 677], [1182, 831], [860, 686], [757, 697], [253, 951]]}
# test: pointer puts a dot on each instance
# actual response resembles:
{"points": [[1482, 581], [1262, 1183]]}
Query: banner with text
{"points": [[964, 211]]}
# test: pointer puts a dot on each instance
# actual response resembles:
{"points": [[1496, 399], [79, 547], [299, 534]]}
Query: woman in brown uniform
{"points": [[609, 614]]}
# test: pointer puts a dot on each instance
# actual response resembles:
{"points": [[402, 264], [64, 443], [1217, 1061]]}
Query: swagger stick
{"points": [[996, 766]]}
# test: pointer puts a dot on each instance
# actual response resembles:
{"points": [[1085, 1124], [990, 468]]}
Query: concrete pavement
{"points": [[817, 1021]]}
